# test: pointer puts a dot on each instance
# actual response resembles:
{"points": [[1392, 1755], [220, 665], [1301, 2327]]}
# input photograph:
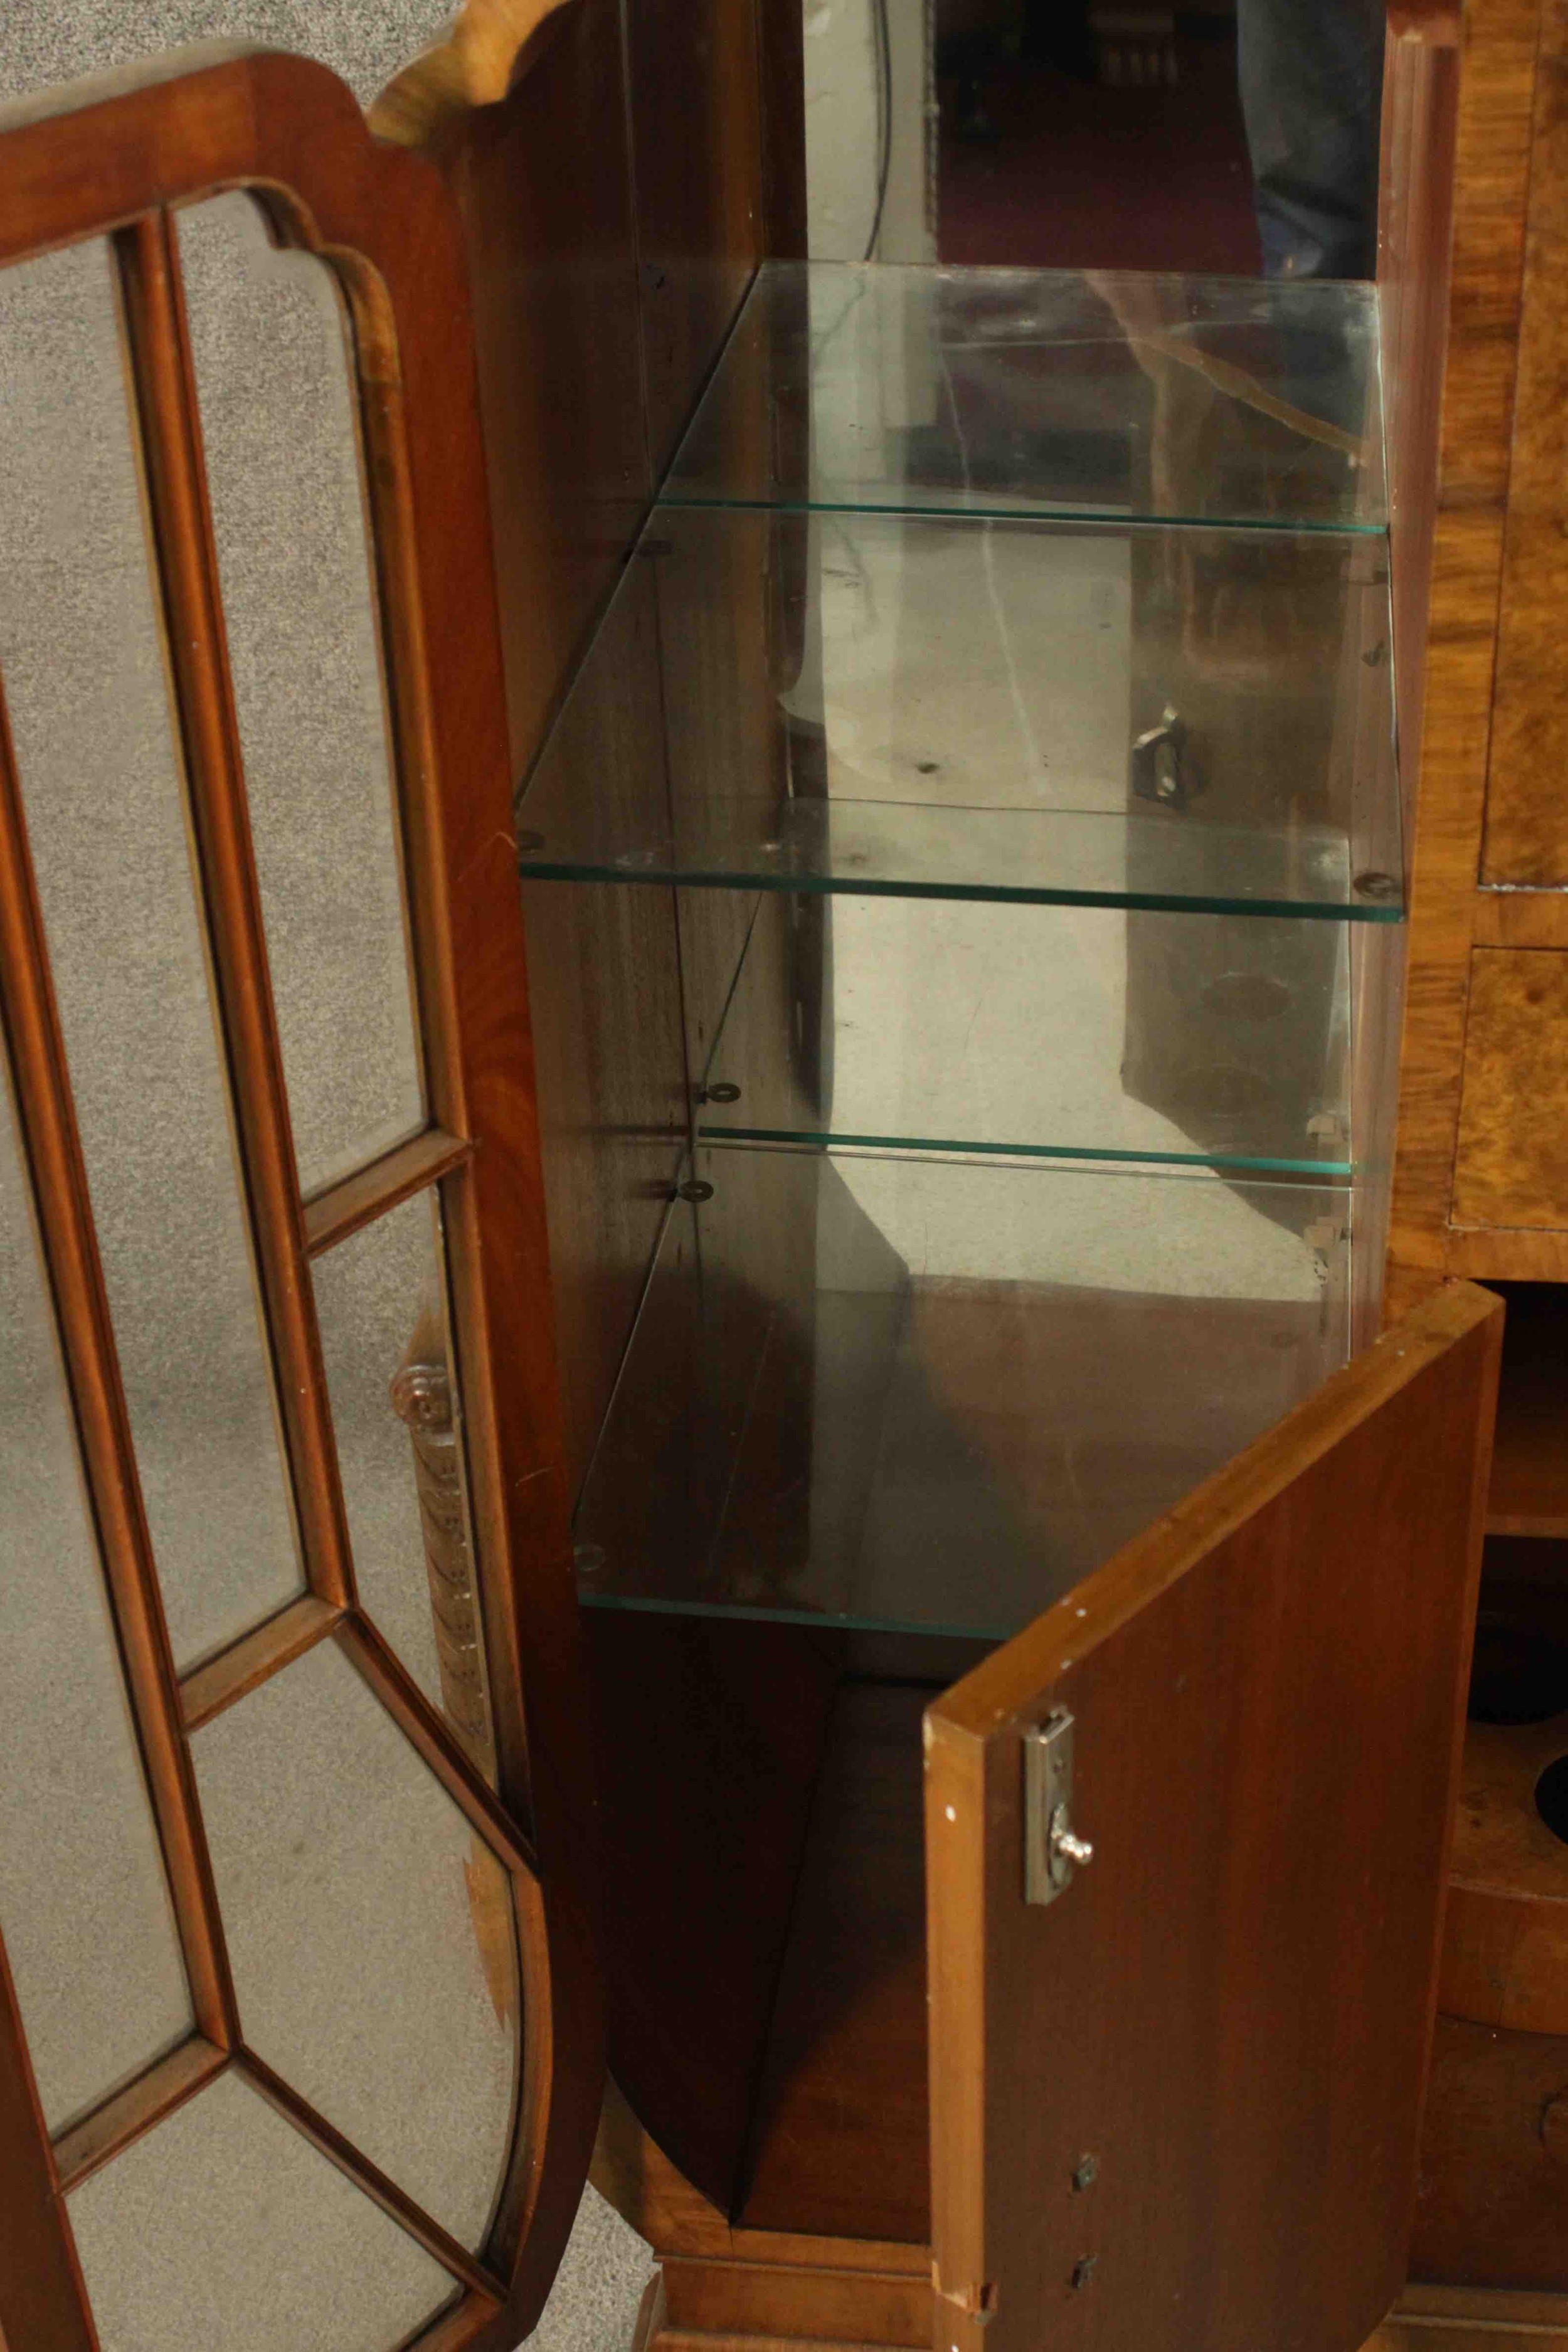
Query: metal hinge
{"points": [[1052, 1850]]}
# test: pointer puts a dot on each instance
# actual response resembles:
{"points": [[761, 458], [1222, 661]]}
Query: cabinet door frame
{"points": [[114, 158], [1179, 2103]]}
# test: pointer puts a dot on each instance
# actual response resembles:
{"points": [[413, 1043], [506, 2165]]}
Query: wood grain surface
{"points": [[1420, 128], [543, 184], [1494, 2160], [696, 128], [750, 2290], [1424, 2302], [633, 2174], [1229, 2008], [1486, 465], [1526, 823], [165, 2085], [1458, 113], [702, 1857], [611, 208], [794, 2301], [1511, 917], [1530, 1456], [840, 2134], [615, 1091], [1469, 2319], [1512, 1159], [1505, 1933], [1455, 724], [43, 2300], [780, 33]]}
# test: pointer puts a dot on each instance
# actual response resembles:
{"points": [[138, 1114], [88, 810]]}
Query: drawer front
{"points": [[1512, 1167]]}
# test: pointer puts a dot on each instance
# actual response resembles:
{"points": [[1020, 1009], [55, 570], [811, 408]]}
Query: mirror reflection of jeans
{"points": [[1311, 91]]}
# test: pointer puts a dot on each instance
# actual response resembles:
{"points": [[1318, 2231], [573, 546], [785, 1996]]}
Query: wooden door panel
{"points": [[1178, 2105]]}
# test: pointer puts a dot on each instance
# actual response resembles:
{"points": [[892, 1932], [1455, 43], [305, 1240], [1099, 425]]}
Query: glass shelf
{"points": [[1080, 715], [1046, 392], [928, 1395], [979, 1029]]}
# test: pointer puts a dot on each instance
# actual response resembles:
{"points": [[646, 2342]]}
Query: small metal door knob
{"points": [[1066, 1846]]}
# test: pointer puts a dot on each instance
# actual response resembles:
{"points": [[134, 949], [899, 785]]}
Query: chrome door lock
{"points": [[1052, 1849]]}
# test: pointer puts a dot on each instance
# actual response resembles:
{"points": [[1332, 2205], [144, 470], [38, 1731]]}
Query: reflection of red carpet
{"points": [[1083, 176]]}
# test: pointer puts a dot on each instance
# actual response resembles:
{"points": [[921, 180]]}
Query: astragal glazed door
{"points": [[299, 2033]]}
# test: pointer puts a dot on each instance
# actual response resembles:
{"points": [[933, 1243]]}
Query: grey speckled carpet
{"points": [[44, 42]]}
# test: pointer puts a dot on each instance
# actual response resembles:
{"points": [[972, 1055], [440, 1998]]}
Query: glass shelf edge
{"points": [[943, 323], [669, 875], [639, 1605], [1236, 1162], [672, 495]]}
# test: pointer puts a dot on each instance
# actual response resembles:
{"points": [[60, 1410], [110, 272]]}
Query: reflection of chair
{"points": [[421, 1390]]}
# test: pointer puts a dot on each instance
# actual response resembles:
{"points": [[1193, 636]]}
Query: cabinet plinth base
{"points": [[702, 2305], [725, 2288], [1471, 2319]]}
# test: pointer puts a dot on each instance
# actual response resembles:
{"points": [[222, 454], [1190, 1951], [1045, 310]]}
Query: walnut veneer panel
{"points": [[697, 144], [543, 180], [1458, 704], [611, 202], [1460, 101], [1513, 1165], [544, 184], [1527, 817], [1521, 919]]}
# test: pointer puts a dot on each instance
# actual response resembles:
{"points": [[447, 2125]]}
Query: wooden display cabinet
{"points": [[1032, 879], [903, 1372]]}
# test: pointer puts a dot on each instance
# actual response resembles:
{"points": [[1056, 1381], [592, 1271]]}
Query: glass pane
{"points": [[82, 658], [369, 1930], [968, 708], [224, 2228], [929, 1393], [1047, 391], [1080, 1032], [274, 383], [381, 1305], [78, 1846]]}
